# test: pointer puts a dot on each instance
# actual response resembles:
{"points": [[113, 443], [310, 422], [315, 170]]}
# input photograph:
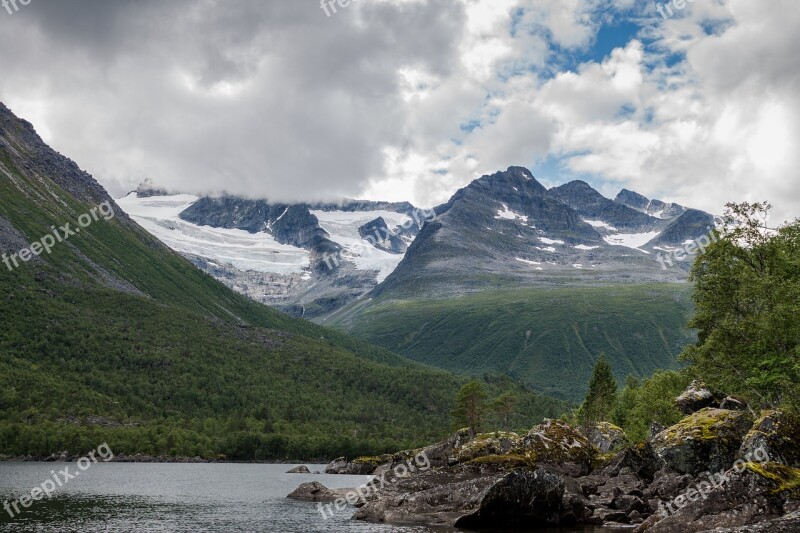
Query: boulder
{"points": [[707, 440], [468, 496], [733, 404], [696, 396], [555, 442], [316, 492], [640, 459], [605, 436], [774, 437], [299, 470]]}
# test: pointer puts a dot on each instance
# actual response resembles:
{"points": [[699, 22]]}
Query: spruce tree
{"points": [[601, 396]]}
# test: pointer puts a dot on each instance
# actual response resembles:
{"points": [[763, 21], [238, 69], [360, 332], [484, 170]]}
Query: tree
{"points": [[601, 396], [747, 300], [470, 406], [504, 407]]}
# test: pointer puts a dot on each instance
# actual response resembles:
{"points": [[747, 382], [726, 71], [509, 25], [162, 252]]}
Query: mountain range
{"points": [[110, 336], [314, 260], [428, 273]]}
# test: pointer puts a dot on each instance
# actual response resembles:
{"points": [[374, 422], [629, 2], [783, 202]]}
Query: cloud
{"points": [[413, 99]]}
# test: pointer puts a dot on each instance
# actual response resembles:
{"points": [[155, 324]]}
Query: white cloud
{"points": [[411, 100]]}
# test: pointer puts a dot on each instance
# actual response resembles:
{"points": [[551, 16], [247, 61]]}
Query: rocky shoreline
{"points": [[723, 468]]}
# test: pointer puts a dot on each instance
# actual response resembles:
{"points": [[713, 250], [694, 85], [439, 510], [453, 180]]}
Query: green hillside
{"points": [[114, 338], [549, 338]]}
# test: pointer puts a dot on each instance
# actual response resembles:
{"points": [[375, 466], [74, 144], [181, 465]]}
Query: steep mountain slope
{"points": [[111, 336], [549, 338]]}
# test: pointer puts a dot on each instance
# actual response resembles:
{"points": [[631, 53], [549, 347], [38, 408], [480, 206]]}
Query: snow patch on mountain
{"points": [[246, 251], [631, 240], [342, 226], [600, 224], [508, 214]]}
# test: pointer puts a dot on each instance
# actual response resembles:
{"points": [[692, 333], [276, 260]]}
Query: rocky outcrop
{"points": [[302, 469], [709, 472], [706, 440], [378, 234]]}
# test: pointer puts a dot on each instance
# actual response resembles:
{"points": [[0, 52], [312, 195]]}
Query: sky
{"points": [[412, 99]]}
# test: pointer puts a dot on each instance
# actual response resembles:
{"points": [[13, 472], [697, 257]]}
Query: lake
{"points": [[127, 497]]}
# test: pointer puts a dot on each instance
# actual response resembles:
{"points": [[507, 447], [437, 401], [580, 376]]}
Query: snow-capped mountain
{"points": [[306, 259], [507, 229], [502, 229]]}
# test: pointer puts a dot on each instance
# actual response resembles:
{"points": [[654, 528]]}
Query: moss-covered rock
{"points": [[785, 478], [707, 440], [775, 434], [487, 444], [606, 437]]}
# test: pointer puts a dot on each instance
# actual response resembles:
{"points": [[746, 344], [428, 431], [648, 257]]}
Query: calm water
{"points": [[126, 497]]}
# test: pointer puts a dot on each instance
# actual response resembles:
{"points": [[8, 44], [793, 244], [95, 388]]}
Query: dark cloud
{"points": [[252, 97]]}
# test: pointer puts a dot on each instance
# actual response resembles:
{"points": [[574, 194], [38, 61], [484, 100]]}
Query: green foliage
{"points": [[652, 400], [504, 407], [747, 296], [601, 396], [470, 407], [548, 338]]}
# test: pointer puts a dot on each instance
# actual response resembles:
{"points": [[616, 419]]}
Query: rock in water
{"points": [[302, 469], [316, 492], [521, 498]]}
